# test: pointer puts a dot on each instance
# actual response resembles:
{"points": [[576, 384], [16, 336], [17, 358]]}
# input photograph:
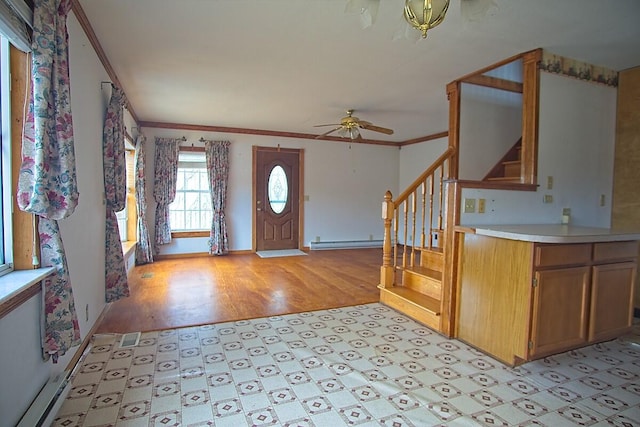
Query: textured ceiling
{"points": [[286, 65]]}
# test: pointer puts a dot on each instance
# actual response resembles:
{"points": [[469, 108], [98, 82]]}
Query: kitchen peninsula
{"points": [[528, 291]]}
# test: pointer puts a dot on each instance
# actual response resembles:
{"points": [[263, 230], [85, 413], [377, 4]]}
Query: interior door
{"points": [[276, 198]]}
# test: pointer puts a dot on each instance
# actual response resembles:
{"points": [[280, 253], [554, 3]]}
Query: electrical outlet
{"points": [[370, 236], [469, 205], [566, 211], [317, 238], [548, 198], [549, 182], [481, 205], [602, 200]]}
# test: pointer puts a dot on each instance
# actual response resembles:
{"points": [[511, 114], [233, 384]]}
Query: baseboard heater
{"points": [[46, 405], [346, 244]]}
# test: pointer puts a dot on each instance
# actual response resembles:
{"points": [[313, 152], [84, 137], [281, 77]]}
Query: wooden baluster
{"points": [[431, 189], [413, 227], [405, 206], [387, 269], [423, 213], [441, 195], [395, 237]]}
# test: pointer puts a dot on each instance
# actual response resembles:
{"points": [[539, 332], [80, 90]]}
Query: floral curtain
{"points": [[47, 184], [164, 185], [217, 153], [144, 252], [115, 188]]}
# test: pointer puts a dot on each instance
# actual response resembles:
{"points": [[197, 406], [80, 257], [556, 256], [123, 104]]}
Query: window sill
{"points": [[20, 285], [128, 247], [185, 234]]}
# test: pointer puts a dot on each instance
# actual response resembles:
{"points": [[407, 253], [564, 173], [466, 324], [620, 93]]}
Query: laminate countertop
{"points": [[551, 233]]}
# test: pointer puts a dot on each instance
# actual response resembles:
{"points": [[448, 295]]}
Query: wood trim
{"points": [[424, 138], [22, 221], [180, 256], [189, 234], [496, 185], [494, 82], [78, 11], [498, 64], [453, 95], [264, 132], [17, 300], [530, 113], [452, 245]]}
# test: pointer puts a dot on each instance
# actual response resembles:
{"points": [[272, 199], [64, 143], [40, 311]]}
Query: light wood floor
{"points": [[194, 291]]}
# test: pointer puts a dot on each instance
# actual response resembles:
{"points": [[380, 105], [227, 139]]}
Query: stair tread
{"points": [[426, 302], [425, 271], [432, 249], [512, 162]]}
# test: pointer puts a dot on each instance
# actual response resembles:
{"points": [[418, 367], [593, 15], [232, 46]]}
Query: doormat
{"points": [[280, 253]]}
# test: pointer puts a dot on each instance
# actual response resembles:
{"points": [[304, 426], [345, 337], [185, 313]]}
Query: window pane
{"points": [[278, 189], [193, 201]]}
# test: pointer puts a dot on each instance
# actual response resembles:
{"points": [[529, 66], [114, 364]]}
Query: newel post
{"points": [[386, 271]]}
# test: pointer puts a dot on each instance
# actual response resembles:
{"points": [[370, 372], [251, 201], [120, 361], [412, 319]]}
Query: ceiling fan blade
{"points": [[330, 124], [369, 126], [327, 133]]}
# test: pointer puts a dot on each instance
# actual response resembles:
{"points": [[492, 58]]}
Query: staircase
{"points": [[509, 168], [414, 268]]}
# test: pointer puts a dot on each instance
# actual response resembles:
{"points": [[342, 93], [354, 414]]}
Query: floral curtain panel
{"points": [[217, 154], [47, 184], [144, 251], [115, 188], [164, 185]]}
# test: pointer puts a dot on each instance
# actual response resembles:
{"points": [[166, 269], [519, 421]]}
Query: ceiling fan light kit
{"points": [[425, 14], [350, 126]]}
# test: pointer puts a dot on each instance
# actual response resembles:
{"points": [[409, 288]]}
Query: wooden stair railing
{"points": [[413, 246]]}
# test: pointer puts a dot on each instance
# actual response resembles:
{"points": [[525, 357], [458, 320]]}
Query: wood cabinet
{"points": [[520, 300]]}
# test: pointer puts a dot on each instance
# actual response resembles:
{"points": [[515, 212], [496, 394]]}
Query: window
{"points": [[191, 209], [127, 216], [6, 238]]}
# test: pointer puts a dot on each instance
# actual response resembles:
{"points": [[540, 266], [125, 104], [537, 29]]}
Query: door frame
{"points": [[254, 206]]}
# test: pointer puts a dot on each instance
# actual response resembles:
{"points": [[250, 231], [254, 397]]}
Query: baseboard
{"points": [[87, 339], [348, 244]]}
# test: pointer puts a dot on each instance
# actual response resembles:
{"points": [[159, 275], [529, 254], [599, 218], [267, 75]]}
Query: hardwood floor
{"points": [[194, 291]]}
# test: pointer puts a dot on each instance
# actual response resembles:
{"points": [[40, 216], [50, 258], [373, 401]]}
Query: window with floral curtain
{"points": [[144, 251], [47, 184], [217, 153], [164, 186], [115, 188]]}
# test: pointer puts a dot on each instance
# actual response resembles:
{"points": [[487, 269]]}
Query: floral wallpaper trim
{"points": [[557, 64]]}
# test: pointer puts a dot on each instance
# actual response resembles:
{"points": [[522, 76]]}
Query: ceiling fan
{"points": [[349, 127]]}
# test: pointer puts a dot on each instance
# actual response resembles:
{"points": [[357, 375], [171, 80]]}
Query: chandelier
{"points": [[425, 14]]}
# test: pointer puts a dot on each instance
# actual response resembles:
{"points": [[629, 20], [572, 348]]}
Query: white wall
{"points": [[576, 147], [342, 181], [22, 369], [490, 124], [416, 158]]}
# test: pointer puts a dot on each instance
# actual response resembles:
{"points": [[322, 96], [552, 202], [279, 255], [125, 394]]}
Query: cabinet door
{"points": [[559, 312], [611, 300]]}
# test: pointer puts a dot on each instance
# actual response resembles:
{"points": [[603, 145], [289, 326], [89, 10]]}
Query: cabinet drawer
{"points": [[557, 255], [611, 251]]}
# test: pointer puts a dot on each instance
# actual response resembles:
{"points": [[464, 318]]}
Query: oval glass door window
{"points": [[278, 189]]}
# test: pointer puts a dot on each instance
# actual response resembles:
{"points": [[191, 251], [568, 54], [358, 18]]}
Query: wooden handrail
{"points": [[439, 161]]}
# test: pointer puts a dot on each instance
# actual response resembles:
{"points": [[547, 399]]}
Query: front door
{"points": [[277, 188]]}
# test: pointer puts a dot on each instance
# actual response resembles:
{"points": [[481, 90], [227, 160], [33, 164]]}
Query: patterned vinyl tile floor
{"points": [[365, 365]]}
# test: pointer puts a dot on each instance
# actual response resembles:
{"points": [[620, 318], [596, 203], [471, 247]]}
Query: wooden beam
{"points": [[494, 82]]}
